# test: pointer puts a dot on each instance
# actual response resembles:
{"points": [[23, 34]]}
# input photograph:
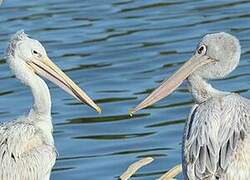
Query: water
{"points": [[118, 51]]}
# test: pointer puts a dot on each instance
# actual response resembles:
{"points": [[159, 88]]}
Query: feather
{"points": [[24, 154], [215, 134]]}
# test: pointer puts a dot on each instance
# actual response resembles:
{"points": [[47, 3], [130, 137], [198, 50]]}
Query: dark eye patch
{"points": [[35, 52]]}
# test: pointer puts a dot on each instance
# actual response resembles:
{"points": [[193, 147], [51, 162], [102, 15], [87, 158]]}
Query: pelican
{"points": [[216, 142], [27, 150]]}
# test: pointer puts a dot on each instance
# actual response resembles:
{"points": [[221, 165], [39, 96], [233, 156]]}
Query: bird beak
{"points": [[47, 69], [168, 86]]}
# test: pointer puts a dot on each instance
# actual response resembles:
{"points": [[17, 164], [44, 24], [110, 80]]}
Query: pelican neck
{"points": [[201, 90]]}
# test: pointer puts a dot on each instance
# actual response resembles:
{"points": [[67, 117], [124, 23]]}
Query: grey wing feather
{"points": [[24, 153], [213, 132]]}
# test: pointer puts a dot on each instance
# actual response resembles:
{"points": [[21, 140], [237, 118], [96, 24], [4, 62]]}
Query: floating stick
{"points": [[134, 167], [170, 175]]}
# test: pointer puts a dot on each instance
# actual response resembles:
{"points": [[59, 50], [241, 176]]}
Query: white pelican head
{"points": [[215, 57], [27, 58]]}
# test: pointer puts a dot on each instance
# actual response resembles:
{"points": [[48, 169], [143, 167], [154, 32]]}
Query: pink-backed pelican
{"points": [[216, 142], [27, 150]]}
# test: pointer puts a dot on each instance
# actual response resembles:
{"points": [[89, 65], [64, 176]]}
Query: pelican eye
{"points": [[36, 53], [202, 49]]}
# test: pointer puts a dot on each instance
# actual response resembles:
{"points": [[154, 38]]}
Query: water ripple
{"points": [[118, 51]]}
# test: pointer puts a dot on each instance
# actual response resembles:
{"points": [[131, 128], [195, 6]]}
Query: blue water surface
{"points": [[118, 51]]}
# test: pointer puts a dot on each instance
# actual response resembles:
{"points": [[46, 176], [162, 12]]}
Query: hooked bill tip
{"points": [[131, 112], [99, 110]]}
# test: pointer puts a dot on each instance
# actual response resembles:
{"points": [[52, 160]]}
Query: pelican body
{"points": [[216, 140], [27, 150]]}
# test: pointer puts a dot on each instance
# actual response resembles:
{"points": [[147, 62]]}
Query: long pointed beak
{"points": [[168, 86], [50, 71]]}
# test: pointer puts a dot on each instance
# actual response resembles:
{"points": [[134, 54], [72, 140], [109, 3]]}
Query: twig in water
{"points": [[134, 167], [171, 173]]}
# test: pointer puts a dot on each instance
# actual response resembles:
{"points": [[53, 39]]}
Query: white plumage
{"points": [[27, 150]]}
